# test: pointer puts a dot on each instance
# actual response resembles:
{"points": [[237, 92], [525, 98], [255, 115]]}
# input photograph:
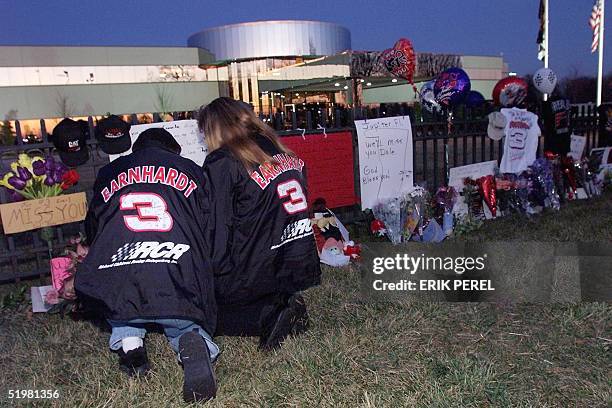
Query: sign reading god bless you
{"points": [[186, 134], [43, 212], [385, 158]]}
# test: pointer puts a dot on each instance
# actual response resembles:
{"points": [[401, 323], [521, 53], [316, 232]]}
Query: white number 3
{"points": [[293, 190], [152, 212]]}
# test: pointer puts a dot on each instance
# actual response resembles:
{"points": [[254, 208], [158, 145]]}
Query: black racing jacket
{"points": [[257, 227], [147, 257]]}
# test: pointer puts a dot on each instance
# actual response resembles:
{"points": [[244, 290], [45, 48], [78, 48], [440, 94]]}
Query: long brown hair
{"points": [[233, 124]]}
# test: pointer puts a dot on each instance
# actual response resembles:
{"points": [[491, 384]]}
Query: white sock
{"points": [[131, 343]]}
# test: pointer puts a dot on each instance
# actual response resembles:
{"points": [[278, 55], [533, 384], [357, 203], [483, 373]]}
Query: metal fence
{"points": [[435, 150]]}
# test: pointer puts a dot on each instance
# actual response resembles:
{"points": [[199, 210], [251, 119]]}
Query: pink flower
{"points": [[81, 251], [52, 297]]}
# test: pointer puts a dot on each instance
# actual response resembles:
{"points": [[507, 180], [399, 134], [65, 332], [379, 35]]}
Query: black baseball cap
{"points": [[70, 140], [113, 135], [157, 137]]}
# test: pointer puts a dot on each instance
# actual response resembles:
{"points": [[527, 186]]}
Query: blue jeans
{"points": [[173, 329]]}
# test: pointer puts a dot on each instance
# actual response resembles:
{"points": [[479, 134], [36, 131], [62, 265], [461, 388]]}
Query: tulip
{"points": [[24, 173], [24, 160], [50, 163], [38, 168], [4, 182], [15, 196], [18, 183], [49, 180]]}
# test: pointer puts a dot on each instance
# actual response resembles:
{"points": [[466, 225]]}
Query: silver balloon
{"points": [[545, 80], [428, 98]]}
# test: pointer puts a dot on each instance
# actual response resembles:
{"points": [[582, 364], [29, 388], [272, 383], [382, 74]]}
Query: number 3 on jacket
{"points": [[152, 210], [293, 190]]}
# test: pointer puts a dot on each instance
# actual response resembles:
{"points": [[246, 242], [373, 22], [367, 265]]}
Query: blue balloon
{"points": [[474, 99], [451, 86]]}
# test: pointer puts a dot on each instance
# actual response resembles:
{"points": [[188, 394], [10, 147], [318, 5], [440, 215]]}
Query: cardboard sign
{"points": [[186, 134], [385, 158], [43, 212], [37, 294], [474, 171], [603, 158], [577, 145], [329, 166]]}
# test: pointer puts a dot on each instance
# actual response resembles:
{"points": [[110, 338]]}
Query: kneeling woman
{"points": [[258, 230]]}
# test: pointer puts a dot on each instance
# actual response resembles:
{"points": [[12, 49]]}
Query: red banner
{"points": [[329, 166]]}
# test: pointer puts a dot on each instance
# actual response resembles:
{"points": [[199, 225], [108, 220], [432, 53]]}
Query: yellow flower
{"points": [[4, 182], [25, 161], [14, 166]]}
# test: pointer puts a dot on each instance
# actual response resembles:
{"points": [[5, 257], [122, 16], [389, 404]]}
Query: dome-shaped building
{"points": [[243, 51]]}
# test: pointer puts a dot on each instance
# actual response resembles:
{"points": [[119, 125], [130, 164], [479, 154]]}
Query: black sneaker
{"points": [[292, 319], [135, 362], [200, 383]]}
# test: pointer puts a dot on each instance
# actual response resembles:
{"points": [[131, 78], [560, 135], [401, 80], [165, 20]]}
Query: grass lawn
{"points": [[357, 353]]}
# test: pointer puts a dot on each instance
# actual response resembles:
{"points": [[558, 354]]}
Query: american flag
{"points": [[594, 22]]}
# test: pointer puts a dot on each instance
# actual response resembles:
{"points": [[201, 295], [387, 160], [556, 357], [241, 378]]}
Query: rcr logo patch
{"points": [[147, 252], [293, 231]]}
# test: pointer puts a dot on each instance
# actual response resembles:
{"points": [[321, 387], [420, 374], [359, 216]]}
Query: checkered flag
{"points": [[126, 251]]}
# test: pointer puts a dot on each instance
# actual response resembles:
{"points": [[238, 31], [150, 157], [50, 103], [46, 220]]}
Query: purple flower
{"points": [[24, 173], [58, 170], [49, 163], [38, 167], [15, 196], [17, 183], [49, 180]]}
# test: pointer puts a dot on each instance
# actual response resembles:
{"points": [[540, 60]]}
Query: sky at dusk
{"points": [[473, 27]]}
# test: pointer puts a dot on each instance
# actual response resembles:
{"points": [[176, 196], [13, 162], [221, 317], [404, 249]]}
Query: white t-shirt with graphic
{"points": [[521, 140]]}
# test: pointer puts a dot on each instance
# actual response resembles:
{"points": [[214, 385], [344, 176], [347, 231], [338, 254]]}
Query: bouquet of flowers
{"points": [[37, 177], [63, 270]]}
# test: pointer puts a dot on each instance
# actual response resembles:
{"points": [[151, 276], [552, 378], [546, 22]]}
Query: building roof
{"points": [[53, 56]]}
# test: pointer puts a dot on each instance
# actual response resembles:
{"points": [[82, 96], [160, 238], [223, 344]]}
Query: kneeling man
{"points": [[147, 264]]}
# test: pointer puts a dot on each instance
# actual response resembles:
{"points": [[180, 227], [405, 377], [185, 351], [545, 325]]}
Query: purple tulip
{"points": [[49, 180], [17, 183], [24, 173], [49, 163], [15, 196], [38, 167]]}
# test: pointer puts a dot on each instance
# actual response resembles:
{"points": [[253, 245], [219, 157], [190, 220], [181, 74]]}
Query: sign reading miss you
{"points": [[43, 212], [385, 158], [186, 134]]}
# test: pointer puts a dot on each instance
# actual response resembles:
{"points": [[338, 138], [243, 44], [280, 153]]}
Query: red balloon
{"points": [[401, 59], [488, 192], [510, 91]]}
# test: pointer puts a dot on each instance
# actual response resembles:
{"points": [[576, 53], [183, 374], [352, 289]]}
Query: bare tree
{"points": [[64, 107]]}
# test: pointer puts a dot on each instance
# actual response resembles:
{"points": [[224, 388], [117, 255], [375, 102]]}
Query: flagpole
{"points": [[545, 39], [601, 52]]}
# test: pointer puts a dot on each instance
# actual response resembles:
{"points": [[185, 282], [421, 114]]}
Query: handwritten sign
{"points": [[185, 132], [329, 166], [474, 171], [577, 145], [385, 158], [43, 212]]}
